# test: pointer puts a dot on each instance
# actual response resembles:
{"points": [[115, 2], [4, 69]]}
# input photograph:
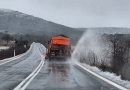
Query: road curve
{"points": [[14, 72]]}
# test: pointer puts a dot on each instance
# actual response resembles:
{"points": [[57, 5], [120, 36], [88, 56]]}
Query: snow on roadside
{"points": [[3, 48], [108, 75]]}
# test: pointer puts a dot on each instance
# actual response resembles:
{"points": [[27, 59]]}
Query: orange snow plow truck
{"points": [[59, 47]]}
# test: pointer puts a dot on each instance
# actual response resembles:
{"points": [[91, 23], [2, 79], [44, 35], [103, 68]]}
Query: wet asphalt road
{"points": [[62, 75], [14, 72]]}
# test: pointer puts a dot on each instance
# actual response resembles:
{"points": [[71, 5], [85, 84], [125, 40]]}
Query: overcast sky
{"points": [[76, 13]]}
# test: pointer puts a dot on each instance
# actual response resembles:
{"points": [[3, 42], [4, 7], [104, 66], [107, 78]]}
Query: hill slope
{"points": [[17, 22]]}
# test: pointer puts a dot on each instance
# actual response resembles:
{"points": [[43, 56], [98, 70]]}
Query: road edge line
{"points": [[28, 79], [104, 79]]}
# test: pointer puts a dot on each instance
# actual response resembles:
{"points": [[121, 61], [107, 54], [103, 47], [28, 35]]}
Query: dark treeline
{"points": [[121, 55], [10, 52], [18, 45]]}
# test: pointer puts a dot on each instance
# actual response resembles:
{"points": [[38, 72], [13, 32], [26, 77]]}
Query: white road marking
{"points": [[104, 79], [27, 81]]}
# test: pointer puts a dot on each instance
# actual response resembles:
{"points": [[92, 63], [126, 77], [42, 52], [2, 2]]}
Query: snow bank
{"points": [[108, 75], [3, 48]]}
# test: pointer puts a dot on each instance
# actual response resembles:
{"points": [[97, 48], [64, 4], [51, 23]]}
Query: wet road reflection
{"points": [[60, 70], [60, 74], [63, 75]]}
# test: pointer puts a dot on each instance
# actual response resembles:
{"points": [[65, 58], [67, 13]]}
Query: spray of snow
{"points": [[93, 48]]}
